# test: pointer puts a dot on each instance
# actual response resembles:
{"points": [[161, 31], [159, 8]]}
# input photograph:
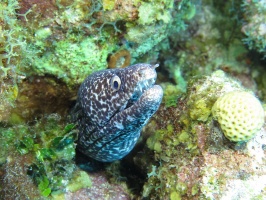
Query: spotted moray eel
{"points": [[112, 107]]}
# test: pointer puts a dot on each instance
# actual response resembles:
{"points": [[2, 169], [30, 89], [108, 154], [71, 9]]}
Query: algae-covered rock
{"points": [[80, 180], [38, 160], [8, 91], [42, 154], [71, 59], [72, 39], [204, 94], [192, 157], [254, 27]]}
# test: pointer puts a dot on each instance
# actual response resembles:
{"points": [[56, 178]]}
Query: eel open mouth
{"points": [[148, 77], [141, 88]]}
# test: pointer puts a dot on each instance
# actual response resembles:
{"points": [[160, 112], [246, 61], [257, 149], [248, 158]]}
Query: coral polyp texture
{"points": [[240, 115]]}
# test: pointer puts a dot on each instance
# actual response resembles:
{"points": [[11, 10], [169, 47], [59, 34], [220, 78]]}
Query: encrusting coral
{"points": [[119, 59]]}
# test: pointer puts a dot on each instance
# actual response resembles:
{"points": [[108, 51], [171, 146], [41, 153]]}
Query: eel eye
{"points": [[115, 82]]}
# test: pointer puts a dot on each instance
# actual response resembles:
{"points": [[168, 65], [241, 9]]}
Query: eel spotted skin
{"points": [[112, 107]]}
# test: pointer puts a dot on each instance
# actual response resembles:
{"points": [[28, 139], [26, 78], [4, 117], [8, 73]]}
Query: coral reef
{"points": [[205, 45], [190, 150], [201, 100], [15, 183], [205, 49], [37, 162], [72, 39]]}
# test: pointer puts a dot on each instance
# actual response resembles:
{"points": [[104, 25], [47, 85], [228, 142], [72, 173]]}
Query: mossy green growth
{"points": [[50, 143], [8, 92], [204, 93], [108, 4], [165, 141], [10, 44], [195, 189], [255, 28], [156, 21], [168, 145], [12, 139], [44, 188], [179, 144], [145, 38], [171, 94], [153, 142], [43, 33], [71, 59], [79, 36], [152, 11], [25, 145], [80, 180], [175, 196]]}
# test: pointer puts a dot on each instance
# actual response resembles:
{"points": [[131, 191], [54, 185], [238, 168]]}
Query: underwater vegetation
{"points": [[9, 44], [72, 39], [254, 27], [211, 54], [8, 92], [44, 151]]}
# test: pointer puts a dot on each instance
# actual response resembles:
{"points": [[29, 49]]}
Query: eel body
{"points": [[112, 107]]}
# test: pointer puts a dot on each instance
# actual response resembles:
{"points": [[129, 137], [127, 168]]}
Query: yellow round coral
{"points": [[240, 115]]}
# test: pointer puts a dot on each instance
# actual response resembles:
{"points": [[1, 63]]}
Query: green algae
{"points": [[171, 94], [156, 11], [80, 180], [72, 60], [254, 26], [50, 146], [108, 4], [77, 37], [10, 45]]}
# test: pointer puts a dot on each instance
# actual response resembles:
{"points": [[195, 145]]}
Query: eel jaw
{"points": [[146, 80], [141, 88]]}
